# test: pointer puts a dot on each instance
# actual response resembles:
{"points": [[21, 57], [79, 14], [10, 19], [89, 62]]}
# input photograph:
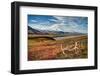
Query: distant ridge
{"points": [[33, 31], [46, 32]]}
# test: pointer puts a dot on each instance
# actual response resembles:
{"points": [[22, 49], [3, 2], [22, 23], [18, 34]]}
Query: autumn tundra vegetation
{"points": [[49, 47]]}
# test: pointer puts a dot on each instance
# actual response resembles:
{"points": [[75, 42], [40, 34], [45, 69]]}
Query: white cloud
{"points": [[52, 20], [33, 21], [59, 17], [39, 26]]}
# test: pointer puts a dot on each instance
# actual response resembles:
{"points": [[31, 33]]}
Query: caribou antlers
{"points": [[76, 48]]}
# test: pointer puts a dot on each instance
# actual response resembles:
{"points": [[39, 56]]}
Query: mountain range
{"points": [[48, 32]]}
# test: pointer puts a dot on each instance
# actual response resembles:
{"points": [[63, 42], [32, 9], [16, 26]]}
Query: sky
{"points": [[59, 23]]}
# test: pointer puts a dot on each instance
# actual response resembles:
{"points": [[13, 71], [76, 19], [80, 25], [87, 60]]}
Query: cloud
{"points": [[59, 17], [33, 21], [61, 23], [39, 26], [53, 20]]}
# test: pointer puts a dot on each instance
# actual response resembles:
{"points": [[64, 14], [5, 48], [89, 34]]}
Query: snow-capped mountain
{"points": [[55, 28], [52, 30]]}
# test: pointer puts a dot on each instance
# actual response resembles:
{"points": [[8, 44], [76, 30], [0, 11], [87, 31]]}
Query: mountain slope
{"points": [[33, 31], [46, 32]]}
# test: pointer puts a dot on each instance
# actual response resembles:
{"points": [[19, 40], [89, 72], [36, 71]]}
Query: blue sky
{"points": [[58, 23]]}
